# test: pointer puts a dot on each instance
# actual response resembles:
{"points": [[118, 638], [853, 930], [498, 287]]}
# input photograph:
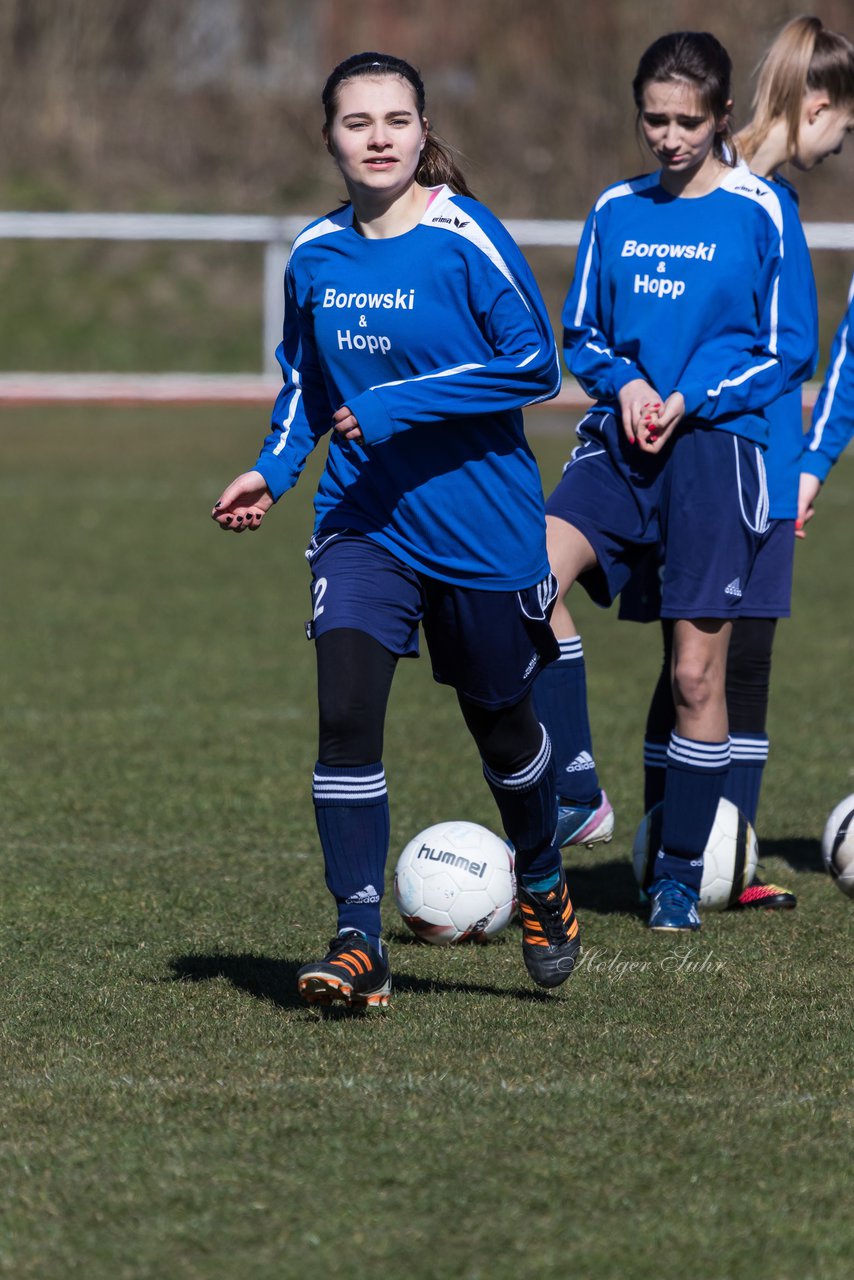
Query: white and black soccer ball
{"points": [[729, 858], [837, 845], [455, 882]]}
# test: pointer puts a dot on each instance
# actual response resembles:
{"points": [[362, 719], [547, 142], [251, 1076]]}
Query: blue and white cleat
{"points": [[673, 907], [585, 824]]}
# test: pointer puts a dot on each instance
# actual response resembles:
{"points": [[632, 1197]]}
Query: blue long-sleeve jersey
{"points": [[435, 340], [799, 337], [684, 293], [833, 415]]}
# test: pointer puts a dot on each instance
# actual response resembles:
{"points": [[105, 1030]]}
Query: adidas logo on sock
{"points": [[734, 588], [582, 761], [368, 894]]}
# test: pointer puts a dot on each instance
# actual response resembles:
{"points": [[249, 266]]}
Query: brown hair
{"points": [[699, 59], [805, 56], [437, 164]]}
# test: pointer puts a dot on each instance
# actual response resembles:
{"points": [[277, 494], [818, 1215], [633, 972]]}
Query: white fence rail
{"points": [[277, 234]]}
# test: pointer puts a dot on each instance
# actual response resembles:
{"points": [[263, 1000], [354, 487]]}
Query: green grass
{"points": [[81, 306], [89, 306], [169, 1108]]}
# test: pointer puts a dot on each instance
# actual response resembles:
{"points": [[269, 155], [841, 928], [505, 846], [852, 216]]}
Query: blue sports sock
{"points": [[744, 780], [560, 698], [527, 802], [351, 808], [654, 773], [696, 772]]}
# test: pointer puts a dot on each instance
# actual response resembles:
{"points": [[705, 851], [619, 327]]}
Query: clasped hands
{"points": [[648, 421]]}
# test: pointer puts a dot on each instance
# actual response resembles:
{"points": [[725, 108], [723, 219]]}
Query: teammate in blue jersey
{"points": [[832, 419], [414, 333], [803, 107], [672, 325]]}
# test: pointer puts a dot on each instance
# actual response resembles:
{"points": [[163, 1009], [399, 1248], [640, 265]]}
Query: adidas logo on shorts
{"points": [[734, 588]]}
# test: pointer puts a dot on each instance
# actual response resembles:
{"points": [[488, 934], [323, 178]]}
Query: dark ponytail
{"points": [[437, 164]]}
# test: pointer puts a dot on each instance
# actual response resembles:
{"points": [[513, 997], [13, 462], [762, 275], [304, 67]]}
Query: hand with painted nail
{"points": [[244, 503], [660, 424], [808, 490], [639, 403]]}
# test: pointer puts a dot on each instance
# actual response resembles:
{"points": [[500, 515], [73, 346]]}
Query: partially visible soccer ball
{"points": [[454, 882], [729, 858], [837, 845]]}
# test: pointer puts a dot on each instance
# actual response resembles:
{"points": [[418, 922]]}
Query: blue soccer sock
{"points": [[560, 699], [744, 780], [696, 772], [654, 772], [527, 802], [351, 808]]}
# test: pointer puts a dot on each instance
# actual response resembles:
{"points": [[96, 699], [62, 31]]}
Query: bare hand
{"points": [[808, 489], [244, 503], [662, 425], [640, 404], [346, 425]]}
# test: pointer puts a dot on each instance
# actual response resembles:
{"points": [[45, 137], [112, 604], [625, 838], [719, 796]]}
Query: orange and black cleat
{"points": [[550, 942], [352, 971], [770, 897]]}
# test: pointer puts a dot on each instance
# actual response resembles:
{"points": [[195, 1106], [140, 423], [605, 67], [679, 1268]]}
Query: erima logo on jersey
{"points": [[752, 191], [640, 249], [452, 222], [582, 761], [368, 894], [734, 588]]}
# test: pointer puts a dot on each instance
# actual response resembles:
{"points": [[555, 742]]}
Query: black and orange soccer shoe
{"points": [[352, 971], [550, 942], [768, 897]]}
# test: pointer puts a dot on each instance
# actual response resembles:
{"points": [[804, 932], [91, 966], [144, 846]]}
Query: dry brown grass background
{"points": [[214, 104]]}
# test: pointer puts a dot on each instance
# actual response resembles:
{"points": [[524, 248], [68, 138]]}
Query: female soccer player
{"points": [[671, 324], [414, 332], [803, 108]]}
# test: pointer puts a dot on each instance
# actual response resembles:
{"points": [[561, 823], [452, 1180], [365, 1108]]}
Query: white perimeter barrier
{"points": [[276, 235]]}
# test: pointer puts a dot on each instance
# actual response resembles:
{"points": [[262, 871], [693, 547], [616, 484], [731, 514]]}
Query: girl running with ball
{"points": [[414, 334]]}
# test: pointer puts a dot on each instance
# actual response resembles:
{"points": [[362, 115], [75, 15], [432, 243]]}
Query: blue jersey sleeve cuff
{"points": [[275, 475], [371, 414], [816, 464], [694, 397]]}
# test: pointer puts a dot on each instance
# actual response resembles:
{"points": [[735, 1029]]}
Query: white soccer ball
{"points": [[455, 882], [729, 858], [837, 845]]}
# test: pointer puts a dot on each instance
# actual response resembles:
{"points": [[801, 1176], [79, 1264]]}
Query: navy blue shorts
{"points": [[704, 499], [488, 645], [769, 587], [768, 593]]}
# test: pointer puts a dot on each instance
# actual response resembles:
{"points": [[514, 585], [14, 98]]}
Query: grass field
{"points": [[169, 1108]]}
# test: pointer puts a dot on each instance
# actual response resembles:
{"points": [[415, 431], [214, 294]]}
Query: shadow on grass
{"points": [[276, 980], [608, 888], [799, 854]]}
